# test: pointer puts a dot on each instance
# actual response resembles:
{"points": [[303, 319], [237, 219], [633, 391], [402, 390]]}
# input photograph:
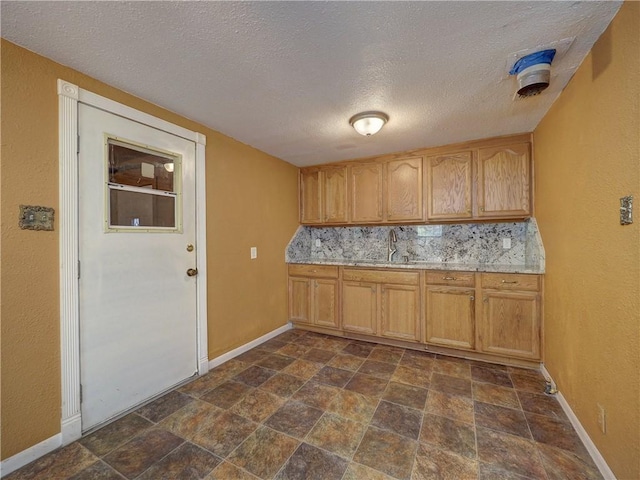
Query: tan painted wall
{"points": [[251, 201], [587, 156]]}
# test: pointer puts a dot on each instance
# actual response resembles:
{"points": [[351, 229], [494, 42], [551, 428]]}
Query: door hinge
{"points": [[80, 393], [78, 269], [78, 146]]}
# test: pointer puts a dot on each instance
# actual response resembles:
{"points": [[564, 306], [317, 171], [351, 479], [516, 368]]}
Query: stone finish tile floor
{"points": [[310, 406]]}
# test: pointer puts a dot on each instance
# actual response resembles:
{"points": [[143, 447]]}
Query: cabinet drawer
{"points": [[458, 279], [511, 281], [380, 276], [320, 271]]}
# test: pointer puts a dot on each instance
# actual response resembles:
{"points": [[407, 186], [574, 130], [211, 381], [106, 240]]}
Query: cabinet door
{"points": [[335, 195], [365, 183], [324, 303], [299, 300], [449, 186], [359, 307], [404, 190], [450, 316], [511, 324], [310, 196], [504, 178], [400, 312]]}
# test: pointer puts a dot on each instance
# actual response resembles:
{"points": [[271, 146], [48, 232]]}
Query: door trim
{"points": [[69, 95]]}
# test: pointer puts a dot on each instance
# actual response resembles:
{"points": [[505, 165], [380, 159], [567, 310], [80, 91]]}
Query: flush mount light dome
{"points": [[368, 123]]}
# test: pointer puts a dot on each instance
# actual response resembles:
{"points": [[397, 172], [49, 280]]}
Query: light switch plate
{"points": [[254, 252], [318, 242], [506, 243], [626, 210], [35, 218]]}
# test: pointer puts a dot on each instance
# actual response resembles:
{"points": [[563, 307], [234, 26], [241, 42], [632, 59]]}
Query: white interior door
{"points": [[138, 325]]}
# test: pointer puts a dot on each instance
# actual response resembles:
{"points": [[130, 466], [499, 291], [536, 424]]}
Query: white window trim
{"points": [[69, 95]]}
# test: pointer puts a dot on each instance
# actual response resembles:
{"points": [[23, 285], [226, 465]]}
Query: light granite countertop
{"points": [[418, 265]]}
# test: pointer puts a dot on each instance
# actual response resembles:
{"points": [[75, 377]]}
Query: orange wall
{"points": [[251, 201], [587, 156]]}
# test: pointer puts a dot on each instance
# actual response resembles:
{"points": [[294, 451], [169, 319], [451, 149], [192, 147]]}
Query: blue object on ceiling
{"points": [[543, 56]]}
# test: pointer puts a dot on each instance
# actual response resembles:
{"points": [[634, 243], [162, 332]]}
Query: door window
{"points": [[143, 188]]}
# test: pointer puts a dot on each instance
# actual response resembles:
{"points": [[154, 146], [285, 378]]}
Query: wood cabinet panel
{"points": [[404, 185], [449, 186], [456, 279], [299, 300], [365, 186], [511, 324], [510, 281], [450, 316], [400, 312], [310, 196], [504, 178], [325, 303], [359, 307], [381, 276], [335, 194], [306, 270]]}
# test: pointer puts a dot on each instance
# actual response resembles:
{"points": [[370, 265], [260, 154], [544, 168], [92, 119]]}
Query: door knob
{"points": [[192, 272]]}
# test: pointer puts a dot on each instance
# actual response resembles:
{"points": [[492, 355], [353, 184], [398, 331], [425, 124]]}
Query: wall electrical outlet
{"points": [[318, 242], [506, 243], [602, 419], [254, 252]]}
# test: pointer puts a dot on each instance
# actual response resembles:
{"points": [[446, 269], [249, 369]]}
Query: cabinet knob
{"points": [[482, 209], [485, 300], [472, 298]]}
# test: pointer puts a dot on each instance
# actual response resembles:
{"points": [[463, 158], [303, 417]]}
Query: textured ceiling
{"points": [[285, 77]]}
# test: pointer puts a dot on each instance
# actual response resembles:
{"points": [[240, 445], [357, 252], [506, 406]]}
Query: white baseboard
{"points": [[71, 429], [19, 460], [597, 457], [248, 346]]}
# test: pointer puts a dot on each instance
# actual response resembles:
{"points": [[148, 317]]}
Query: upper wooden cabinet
{"points": [[404, 187], [310, 196], [334, 190], [479, 180], [323, 195], [449, 186], [504, 181], [365, 186]]}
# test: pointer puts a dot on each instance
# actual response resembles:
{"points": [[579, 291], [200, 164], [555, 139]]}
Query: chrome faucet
{"points": [[391, 246]]}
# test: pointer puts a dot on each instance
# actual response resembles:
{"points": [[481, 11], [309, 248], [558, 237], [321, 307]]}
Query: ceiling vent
{"points": [[533, 72]]}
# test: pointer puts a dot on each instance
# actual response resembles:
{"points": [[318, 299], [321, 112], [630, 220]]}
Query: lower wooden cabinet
{"points": [[484, 313], [313, 299], [360, 307], [383, 303], [450, 316], [400, 312], [511, 323]]}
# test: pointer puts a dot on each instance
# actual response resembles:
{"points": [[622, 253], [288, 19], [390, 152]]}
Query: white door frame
{"points": [[69, 96]]}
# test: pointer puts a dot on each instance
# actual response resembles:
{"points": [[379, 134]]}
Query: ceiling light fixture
{"points": [[368, 123]]}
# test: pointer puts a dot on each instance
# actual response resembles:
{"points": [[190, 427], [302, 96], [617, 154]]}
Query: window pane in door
{"points": [[140, 167], [133, 209]]}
